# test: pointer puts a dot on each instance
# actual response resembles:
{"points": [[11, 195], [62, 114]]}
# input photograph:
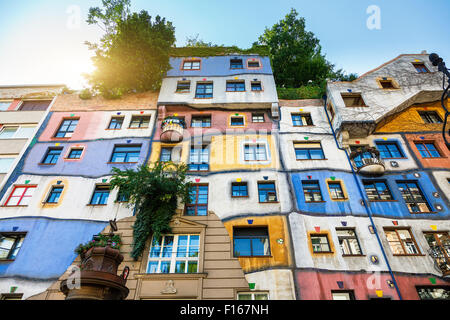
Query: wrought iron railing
{"points": [[365, 157], [441, 257]]}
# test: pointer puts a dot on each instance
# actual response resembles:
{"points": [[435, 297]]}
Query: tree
{"points": [[296, 54], [154, 192], [195, 42], [133, 55]]}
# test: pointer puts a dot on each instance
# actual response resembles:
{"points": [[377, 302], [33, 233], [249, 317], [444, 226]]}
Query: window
{"points": [[237, 121], [54, 194], [11, 296], [301, 119], [166, 154], [139, 122], [251, 242], [387, 84], [5, 164], [52, 156], [183, 86], [389, 150], [439, 243], [198, 202], [174, 254], [308, 151], [330, 110], [421, 68], [256, 86], [433, 292], [10, 244], [236, 64], [255, 152], [204, 90], [201, 122], [75, 153], [401, 242], [37, 105], [4, 105], [257, 117], [66, 128], [353, 100], [427, 150], [8, 132], [320, 243], [413, 197], [199, 158], [253, 64], [430, 117], [311, 190], [101, 195], [234, 86], [115, 123], [126, 154], [122, 196], [253, 296], [336, 191], [377, 190], [348, 242], [343, 295], [239, 189], [20, 196], [267, 192], [191, 65], [359, 160]]}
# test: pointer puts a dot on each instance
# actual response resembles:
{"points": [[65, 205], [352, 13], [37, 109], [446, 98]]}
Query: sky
{"points": [[42, 41]]}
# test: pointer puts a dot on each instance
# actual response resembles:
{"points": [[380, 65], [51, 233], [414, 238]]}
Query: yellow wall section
{"points": [[277, 228], [410, 121], [226, 152]]}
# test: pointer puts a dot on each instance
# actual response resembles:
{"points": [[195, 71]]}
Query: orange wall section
{"points": [[438, 141], [409, 120], [280, 252]]}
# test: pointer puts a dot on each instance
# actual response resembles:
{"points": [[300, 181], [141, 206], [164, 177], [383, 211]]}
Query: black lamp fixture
{"points": [[437, 61]]}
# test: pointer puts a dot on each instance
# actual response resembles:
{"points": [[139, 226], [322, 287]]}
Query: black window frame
{"points": [[427, 116], [75, 149], [67, 133], [411, 199], [266, 192], [127, 153], [366, 183], [387, 150], [54, 157], [345, 237], [114, 124], [239, 190], [204, 86], [101, 189], [52, 192], [236, 62], [263, 234], [18, 241], [311, 193], [183, 87]]}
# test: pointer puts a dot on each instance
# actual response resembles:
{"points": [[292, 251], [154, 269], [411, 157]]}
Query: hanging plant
{"points": [[154, 192], [100, 240]]}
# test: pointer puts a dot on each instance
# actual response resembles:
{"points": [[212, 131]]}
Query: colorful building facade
{"points": [[341, 198]]}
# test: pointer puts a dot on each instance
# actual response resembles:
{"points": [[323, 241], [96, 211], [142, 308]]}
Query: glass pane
{"points": [[180, 267], [152, 267], [165, 267], [244, 296], [260, 247], [5, 164], [192, 267], [242, 247], [261, 296]]}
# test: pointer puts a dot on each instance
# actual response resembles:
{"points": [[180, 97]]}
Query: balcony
{"points": [[366, 161], [172, 129], [441, 257]]}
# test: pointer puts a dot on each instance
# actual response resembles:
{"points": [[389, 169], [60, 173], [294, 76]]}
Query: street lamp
{"points": [[437, 61]]}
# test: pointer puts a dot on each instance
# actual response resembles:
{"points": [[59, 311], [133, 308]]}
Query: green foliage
{"points": [[67, 90], [154, 192], [296, 54], [86, 94], [304, 92], [195, 42], [133, 55], [100, 240], [206, 51]]}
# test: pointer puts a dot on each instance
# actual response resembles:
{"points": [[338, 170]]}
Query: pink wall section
{"points": [[219, 119], [88, 124], [312, 285]]}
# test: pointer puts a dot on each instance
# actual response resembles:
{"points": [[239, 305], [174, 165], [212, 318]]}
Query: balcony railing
{"points": [[172, 129], [441, 256], [367, 161]]}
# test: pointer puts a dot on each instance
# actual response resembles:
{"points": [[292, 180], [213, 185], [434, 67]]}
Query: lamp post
{"points": [[437, 61]]}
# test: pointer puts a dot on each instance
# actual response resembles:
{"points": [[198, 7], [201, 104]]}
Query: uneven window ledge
{"points": [[96, 205], [113, 129], [7, 260], [17, 206], [315, 201], [122, 162], [323, 252], [410, 255], [310, 159], [46, 164], [353, 255], [428, 212], [383, 200], [269, 202], [170, 275], [138, 127], [238, 197]]}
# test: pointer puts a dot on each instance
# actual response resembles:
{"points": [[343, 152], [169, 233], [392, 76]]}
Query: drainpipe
{"points": [[366, 206]]}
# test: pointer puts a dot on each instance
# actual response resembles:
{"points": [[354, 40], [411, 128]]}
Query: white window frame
{"points": [[173, 259], [255, 142], [252, 294]]}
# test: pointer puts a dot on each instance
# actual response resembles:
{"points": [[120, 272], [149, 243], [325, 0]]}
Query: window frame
{"points": [[351, 294], [340, 183], [121, 118], [22, 196], [389, 143], [421, 193], [103, 201], [181, 83], [366, 182], [51, 193], [353, 95], [67, 133], [68, 157], [239, 184], [308, 150], [202, 118], [191, 61], [312, 182], [427, 118], [252, 237], [142, 121], [252, 294], [305, 119], [391, 229], [344, 238], [237, 125], [196, 205], [173, 259], [52, 156], [235, 85], [425, 145], [17, 245], [267, 193], [254, 83], [241, 64], [200, 152], [126, 157], [205, 94], [320, 235], [253, 149], [422, 66]]}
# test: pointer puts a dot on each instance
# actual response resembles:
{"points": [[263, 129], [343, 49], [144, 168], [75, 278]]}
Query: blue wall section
{"points": [[94, 163], [218, 66], [48, 248], [392, 209]]}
